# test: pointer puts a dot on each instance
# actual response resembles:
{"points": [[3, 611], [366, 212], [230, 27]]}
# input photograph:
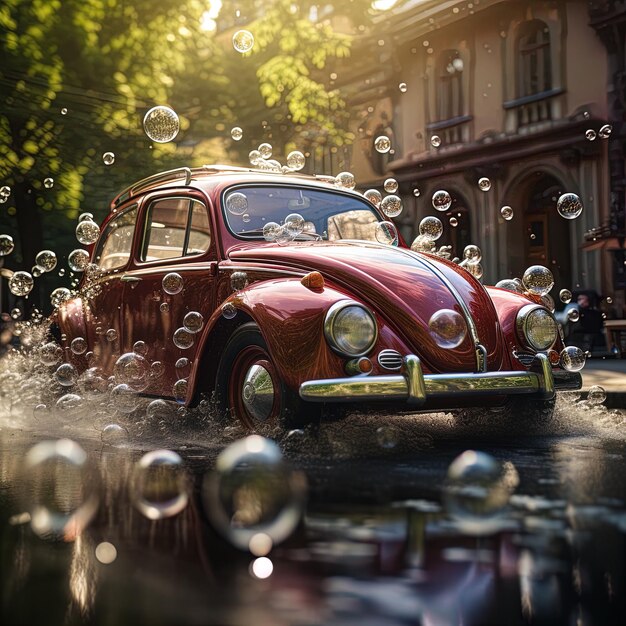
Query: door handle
{"points": [[130, 279]]}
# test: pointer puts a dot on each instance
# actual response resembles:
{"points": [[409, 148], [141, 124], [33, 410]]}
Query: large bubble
{"points": [[382, 144], [132, 369], [572, 359], [391, 205], [448, 328], [21, 283], [271, 231], [472, 254], [386, 232], [296, 160], [193, 321], [243, 41], [345, 179], [6, 245], [294, 224], [390, 185], [237, 203], [374, 196], [183, 339], [441, 200], [46, 260], [172, 283], [78, 260], [87, 232], [161, 124], [569, 206], [538, 280], [431, 227], [59, 296]]}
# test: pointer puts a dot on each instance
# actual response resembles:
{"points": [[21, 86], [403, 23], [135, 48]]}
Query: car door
{"points": [[102, 289], [172, 274]]}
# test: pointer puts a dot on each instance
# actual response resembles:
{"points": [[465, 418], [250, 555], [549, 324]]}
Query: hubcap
{"points": [[257, 393]]}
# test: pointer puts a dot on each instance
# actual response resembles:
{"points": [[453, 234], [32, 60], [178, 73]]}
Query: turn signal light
{"points": [[361, 365], [554, 357], [313, 280]]}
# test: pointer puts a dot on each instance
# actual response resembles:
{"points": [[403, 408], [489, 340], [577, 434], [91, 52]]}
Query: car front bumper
{"points": [[415, 388]]}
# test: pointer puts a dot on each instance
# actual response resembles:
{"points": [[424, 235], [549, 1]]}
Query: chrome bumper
{"points": [[416, 388]]}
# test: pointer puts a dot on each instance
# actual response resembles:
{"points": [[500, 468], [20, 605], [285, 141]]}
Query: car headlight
{"points": [[536, 327], [350, 328]]}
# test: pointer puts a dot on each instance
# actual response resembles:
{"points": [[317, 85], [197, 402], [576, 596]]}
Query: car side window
{"points": [[175, 227], [113, 249]]}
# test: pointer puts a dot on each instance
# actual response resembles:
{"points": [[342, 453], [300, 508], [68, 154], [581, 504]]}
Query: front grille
{"points": [[525, 358], [390, 360]]}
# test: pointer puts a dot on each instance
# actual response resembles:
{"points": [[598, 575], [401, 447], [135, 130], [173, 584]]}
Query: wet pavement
{"points": [[384, 539]]}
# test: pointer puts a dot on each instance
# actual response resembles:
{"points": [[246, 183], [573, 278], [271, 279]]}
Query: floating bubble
{"points": [[159, 485], [183, 339], [478, 490], [573, 315], [193, 322], [609, 300], [391, 205], [296, 160], [158, 409], [472, 254], [66, 374], [40, 411], [572, 359], [507, 213], [402, 87], [108, 158], [157, 369], [484, 184], [253, 491], [161, 124], [382, 144], [387, 437], [475, 269], [431, 227], [64, 488], [87, 232], [441, 200], [114, 435], [181, 364], [435, 141], [422, 243], [6, 245], [390, 185], [605, 131], [565, 295], [548, 302], [229, 310], [172, 283], [140, 348], [271, 231], [238, 281], [164, 307], [416, 192], [243, 41], [124, 398], [448, 328], [106, 553], [374, 196], [15, 313], [510, 285], [59, 296], [132, 369], [294, 224], [5, 191], [345, 179], [453, 222], [538, 280], [50, 353], [78, 345], [237, 203], [21, 283], [255, 157], [236, 133], [111, 334], [85, 216], [46, 260], [70, 405], [48, 183], [63, 111], [596, 395], [569, 206], [590, 134], [245, 218], [78, 260], [265, 150], [179, 390], [387, 233]]}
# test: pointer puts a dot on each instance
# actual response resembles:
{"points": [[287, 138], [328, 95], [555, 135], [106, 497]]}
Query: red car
{"points": [[275, 291]]}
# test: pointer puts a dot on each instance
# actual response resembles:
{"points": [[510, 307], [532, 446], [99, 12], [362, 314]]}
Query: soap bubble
{"points": [[565, 295], [390, 185], [46, 260], [64, 488], [114, 435], [87, 232], [271, 231], [294, 224], [21, 283], [254, 491], [70, 405], [590, 134], [254, 156], [386, 232], [573, 315], [159, 485], [78, 345], [50, 353], [238, 281], [448, 328], [422, 243], [132, 369], [569, 206], [265, 150], [472, 254], [596, 395], [402, 87], [48, 183], [605, 131], [374, 196], [237, 203], [85, 216], [6, 245], [164, 307], [172, 283], [387, 436], [158, 410], [431, 227], [382, 144], [193, 322], [484, 184], [5, 191], [108, 158], [346, 180], [538, 280], [475, 269], [183, 339], [124, 398], [441, 200], [180, 365], [506, 212], [157, 369], [229, 310], [510, 285], [66, 374], [78, 260], [140, 348], [572, 359], [435, 141], [243, 41], [453, 222], [478, 490], [236, 133], [416, 192], [296, 160], [161, 124], [179, 390], [59, 296], [111, 334], [391, 205]]}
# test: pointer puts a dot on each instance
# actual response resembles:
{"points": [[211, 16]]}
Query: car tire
{"points": [[249, 389]]}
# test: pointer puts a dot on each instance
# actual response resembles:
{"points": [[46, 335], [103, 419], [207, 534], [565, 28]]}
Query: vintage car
{"points": [[272, 293]]}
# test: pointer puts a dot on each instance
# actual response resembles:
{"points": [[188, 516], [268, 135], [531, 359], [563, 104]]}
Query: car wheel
{"points": [[249, 388]]}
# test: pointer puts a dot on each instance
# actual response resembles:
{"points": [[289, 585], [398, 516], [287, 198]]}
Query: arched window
{"points": [[534, 70], [449, 85]]}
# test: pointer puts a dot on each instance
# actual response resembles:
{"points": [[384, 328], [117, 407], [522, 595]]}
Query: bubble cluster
{"points": [[382, 144], [161, 124], [569, 206], [441, 200], [448, 328], [538, 280], [391, 205], [243, 41]]}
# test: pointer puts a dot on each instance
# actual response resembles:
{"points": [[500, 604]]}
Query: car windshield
{"points": [[269, 212]]}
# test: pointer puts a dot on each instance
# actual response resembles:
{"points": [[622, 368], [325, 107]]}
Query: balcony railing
{"points": [[533, 109], [452, 131]]}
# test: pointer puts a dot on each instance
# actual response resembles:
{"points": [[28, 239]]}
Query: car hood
{"points": [[405, 288]]}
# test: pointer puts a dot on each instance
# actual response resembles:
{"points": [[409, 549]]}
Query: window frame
{"points": [[538, 53], [105, 233]]}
